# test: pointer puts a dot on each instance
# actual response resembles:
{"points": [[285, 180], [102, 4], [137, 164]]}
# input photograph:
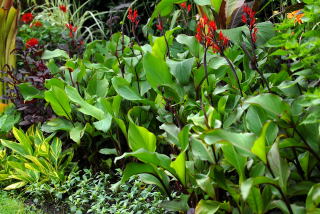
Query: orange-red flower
{"points": [[133, 16], [296, 15], [27, 17], [32, 42], [36, 24], [63, 8], [207, 35]]}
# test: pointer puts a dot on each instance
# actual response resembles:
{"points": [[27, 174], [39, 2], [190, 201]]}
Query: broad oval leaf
{"points": [[157, 71]]}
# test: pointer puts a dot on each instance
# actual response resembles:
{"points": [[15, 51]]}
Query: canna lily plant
{"points": [[8, 22]]}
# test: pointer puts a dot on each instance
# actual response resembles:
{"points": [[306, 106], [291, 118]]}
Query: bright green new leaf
{"points": [[259, 146], [180, 166], [216, 4], [207, 207], [140, 138]]}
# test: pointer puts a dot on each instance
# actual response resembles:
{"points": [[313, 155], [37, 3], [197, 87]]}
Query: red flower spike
{"points": [[27, 18], [63, 8], [207, 35], [249, 19], [133, 16], [32, 42]]}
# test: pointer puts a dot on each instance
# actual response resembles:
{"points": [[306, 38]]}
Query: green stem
{"points": [[234, 72]]}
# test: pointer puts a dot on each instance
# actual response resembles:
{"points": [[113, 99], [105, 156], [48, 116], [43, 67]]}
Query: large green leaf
{"points": [[85, 107], [279, 166], [183, 138], [29, 92], [157, 71], [255, 118], [163, 8], [216, 4], [201, 151], [59, 101], [242, 141], [181, 70], [152, 158], [191, 42], [56, 124], [98, 87], [271, 103], [105, 124], [180, 166], [255, 200], [265, 32], [247, 185], [123, 88], [207, 207], [8, 119], [206, 184], [140, 138], [235, 159]]}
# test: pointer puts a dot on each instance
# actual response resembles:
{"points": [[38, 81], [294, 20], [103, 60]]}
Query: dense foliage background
{"points": [[171, 106]]}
